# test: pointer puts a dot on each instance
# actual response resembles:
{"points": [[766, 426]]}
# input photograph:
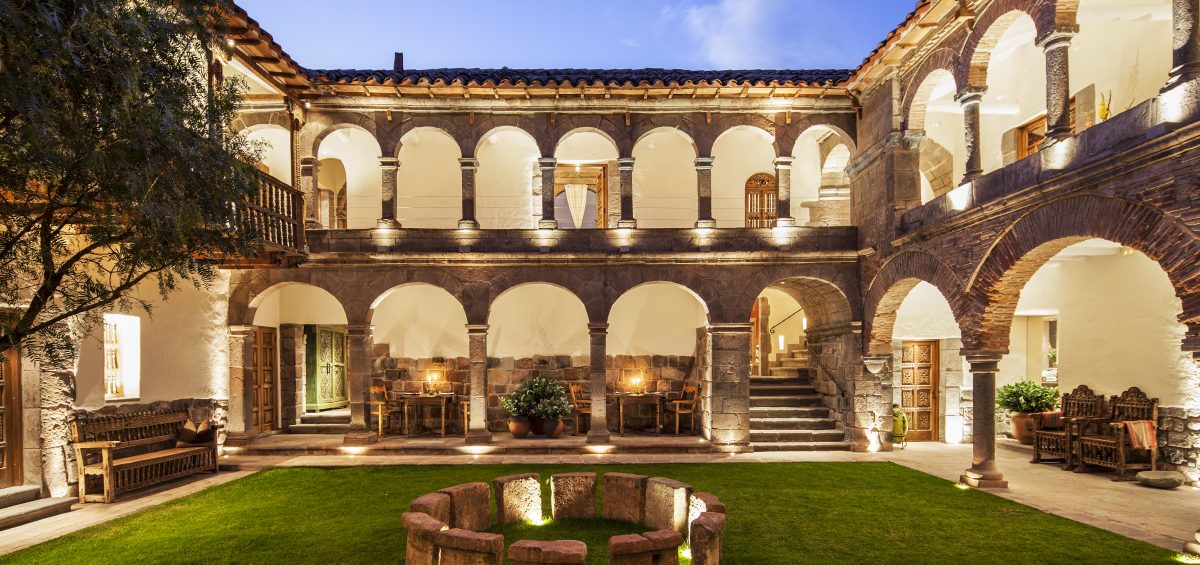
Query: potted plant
{"points": [[1022, 400], [540, 401]]}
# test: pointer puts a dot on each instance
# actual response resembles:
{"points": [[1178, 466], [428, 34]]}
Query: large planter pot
{"points": [[552, 429], [1022, 428], [519, 426], [537, 425]]}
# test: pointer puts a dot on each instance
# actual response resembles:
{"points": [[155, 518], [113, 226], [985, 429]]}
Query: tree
{"points": [[118, 163]]}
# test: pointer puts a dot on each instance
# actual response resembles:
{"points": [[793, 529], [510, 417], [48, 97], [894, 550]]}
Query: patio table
{"points": [[655, 398]]}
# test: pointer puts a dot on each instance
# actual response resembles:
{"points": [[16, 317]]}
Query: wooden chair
{"points": [[1111, 447], [1054, 433], [685, 404], [384, 405], [583, 407]]}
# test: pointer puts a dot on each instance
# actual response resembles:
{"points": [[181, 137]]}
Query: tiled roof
{"points": [[588, 77]]}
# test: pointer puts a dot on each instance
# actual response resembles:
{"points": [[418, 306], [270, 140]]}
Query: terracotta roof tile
{"points": [[587, 77]]}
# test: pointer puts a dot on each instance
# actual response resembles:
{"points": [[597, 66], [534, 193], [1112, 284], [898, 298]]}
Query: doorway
{"points": [[919, 382], [10, 420], [325, 362], [581, 196], [760, 201], [263, 387]]}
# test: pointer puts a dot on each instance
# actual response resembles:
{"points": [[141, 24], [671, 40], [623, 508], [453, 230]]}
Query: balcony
{"points": [[276, 214]]}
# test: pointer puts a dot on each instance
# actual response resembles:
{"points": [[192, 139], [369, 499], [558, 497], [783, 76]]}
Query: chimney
{"points": [[398, 62]]}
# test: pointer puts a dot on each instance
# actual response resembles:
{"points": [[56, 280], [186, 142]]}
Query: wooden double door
{"points": [[264, 381], [919, 382], [10, 420]]}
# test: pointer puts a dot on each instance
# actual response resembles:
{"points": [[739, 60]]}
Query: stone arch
{"points": [[989, 28], [443, 124], [501, 128], [666, 331], [355, 121], [643, 134], [382, 332], [249, 314], [599, 124], [708, 134], [824, 303], [642, 124], [495, 336], [248, 120], [919, 97], [843, 137], [584, 129], [995, 286], [895, 279]]}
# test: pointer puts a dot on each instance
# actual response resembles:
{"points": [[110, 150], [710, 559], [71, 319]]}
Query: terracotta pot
{"points": [[537, 425], [552, 430], [1022, 428], [519, 426]]}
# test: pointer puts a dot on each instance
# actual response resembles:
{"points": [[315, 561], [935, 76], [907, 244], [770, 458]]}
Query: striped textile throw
{"points": [[1141, 434], [1052, 420]]}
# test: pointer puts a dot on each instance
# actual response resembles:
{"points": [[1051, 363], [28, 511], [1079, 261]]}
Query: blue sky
{"points": [[695, 34]]}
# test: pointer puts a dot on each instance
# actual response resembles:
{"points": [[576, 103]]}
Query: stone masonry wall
{"points": [[1179, 440]]}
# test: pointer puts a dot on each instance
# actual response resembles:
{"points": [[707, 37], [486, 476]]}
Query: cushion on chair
{"points": [[192, 432]]}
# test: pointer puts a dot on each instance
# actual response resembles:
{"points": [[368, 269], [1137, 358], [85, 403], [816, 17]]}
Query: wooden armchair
{"points": [[582, 403], [1055, 432], [1113, 446], [685, 404], [384, 405]]}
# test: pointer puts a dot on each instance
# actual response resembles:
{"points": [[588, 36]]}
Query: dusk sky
{"points": [[692, 34]]}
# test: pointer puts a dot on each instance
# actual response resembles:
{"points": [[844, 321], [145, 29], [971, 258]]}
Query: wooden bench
{"points": [[1111, 447], [124, 452], [1057, 442]]}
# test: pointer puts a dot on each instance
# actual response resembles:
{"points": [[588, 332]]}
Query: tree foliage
{"points": [[118, 165]]}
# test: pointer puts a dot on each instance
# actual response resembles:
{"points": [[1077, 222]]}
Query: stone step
{"points": [[788, 412], [801, 446], [327, 418], [319, 428], [791, 423], [796, 436], [797, 347], [791, 373], [786, 401], [793, 381], [13, 496], [781, 390], [27, 512], [793, 363]]}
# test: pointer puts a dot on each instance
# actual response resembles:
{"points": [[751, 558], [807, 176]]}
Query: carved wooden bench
{"points": [[122, 452], [1056, 441], [1112, 447]]}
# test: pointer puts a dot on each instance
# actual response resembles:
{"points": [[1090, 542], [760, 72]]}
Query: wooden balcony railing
{"points": [[276, 214]]}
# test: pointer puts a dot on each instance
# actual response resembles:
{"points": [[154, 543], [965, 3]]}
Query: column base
{"points": [[977, 479], [468, 225], [597, 436], [706, 223], [387, 223], [312, 225], [785, 222], [479, 437], [360, 438], [733, 448], [626, 223], [547, 224]]}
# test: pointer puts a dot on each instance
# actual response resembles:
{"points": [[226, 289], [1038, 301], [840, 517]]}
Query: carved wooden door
{"points": [[919, 389], [326, 379], [10, 421], [265, 379], [760, 201]]}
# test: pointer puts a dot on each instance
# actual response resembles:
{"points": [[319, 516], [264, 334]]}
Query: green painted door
{"points": [[325, 383]]}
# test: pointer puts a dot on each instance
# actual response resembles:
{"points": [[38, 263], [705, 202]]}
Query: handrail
{"points": [[789, 316], [276, 214], [812, 354]]}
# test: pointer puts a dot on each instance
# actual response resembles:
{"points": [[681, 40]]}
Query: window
{"points": [[122, 357], [1032, 135], [760, 201]]}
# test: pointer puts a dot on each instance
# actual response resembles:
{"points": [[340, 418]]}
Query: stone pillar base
{"points": [[479, 437], [598, 437], [785, 222], [360, 438], [468, 225], [983, 480], [733, 448], [387, 223], [626, 223], [547, 224], [706, 223]]}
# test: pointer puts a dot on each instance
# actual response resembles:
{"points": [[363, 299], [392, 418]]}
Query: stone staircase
{"points": [[23, 504], [786, 413], [330, 422]]}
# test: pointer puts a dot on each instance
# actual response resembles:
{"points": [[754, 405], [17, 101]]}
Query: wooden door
{"points": [[264, 380], [10, 421], [919, 389], [326, 360], [760, 201]]}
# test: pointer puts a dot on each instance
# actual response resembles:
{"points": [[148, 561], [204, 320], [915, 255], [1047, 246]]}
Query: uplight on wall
{"points": [[782, 343], [954, 429], [960, 197], [804, 323]]}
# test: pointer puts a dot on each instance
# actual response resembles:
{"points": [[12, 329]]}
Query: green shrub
{"points": [[538, 397], [1026, 396]]}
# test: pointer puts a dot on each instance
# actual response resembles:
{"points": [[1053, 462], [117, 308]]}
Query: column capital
{"points": [[468, 162], [970, 95], [625, 163], [730, 327], [389, 162], [477, 329], [784, 162], [240, 330], [704, 162], [547, 163], [358, 329], [1057, 37], [598, 328]]}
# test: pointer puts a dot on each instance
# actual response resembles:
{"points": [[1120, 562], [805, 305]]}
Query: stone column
{"points": [[1058, 84], [241, 376], [48, 457], [598, 431], [477, 428], [625, 165], [291, 373], [764, 337], [783, 192], [547, 165], [731, 386], [308, 186], [1186, 41], [468, 165], [388, 166], [358, 373], [704, 193], [970, 100], [983, 472]]}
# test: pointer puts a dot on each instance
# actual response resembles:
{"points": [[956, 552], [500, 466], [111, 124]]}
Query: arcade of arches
{"points": [[1001, 193]]}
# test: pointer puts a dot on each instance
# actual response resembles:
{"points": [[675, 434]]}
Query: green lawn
{"points": [[778, 513]]}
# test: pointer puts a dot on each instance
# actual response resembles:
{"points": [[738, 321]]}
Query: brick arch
{"points": [[972, 67], [535, 126], [708, 135], [916, 92], [320, 137], [251, 120], [589, 290], [587, 129], [474, 149], [891, 285], [445, 124], [843, 139], [682, 287], [317, 129], [609, 125], [824, 302], [995, 286], [642, 124], [500, 292], [647, 133], [409, 284], [691, 281], [251, 308]]}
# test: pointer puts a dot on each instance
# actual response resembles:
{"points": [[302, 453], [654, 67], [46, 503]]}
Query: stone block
{"points": [[624, 497], [434, 504], [667, 504], [707, 531], [518, 498], [659, 547], [530, 552], [470, 508], [573, 495], [465, 547], [421, 544]]}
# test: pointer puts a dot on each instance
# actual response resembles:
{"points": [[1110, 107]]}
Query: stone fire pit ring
{"points": [[447, 527]]}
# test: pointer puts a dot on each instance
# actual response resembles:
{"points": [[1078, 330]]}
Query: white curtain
{"points": [[576, 202]]}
